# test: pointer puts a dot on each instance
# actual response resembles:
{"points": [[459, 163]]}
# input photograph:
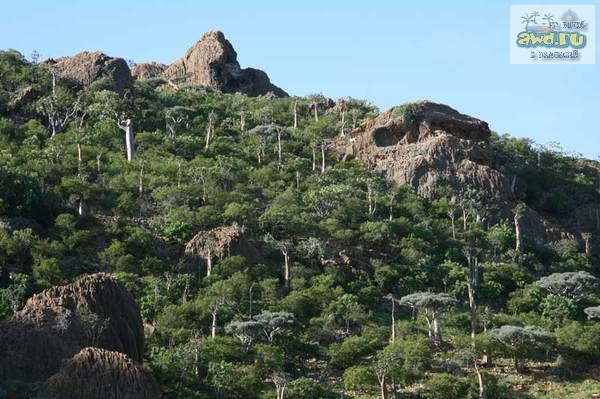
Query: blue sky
{"points": [[387, 52]]}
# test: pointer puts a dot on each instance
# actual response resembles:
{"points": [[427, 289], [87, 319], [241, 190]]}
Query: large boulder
{"points": [[148, 70], [87, 67], [97, 373], [56, 323], [212, 62], [427, 145]]}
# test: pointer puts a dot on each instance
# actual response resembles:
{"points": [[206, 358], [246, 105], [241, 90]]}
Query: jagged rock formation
{"points": [[427, 145], [53, 326], [148, 70], [97, 373], [87, 67], [212, 62]]}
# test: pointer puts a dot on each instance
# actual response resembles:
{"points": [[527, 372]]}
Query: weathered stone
{"points": [[148, 70], [87, 67], [97, 373], [212, 62], [49, 328], [427, 145]]}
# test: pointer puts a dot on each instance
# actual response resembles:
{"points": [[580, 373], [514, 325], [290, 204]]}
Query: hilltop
{"points": [[193, 231]]}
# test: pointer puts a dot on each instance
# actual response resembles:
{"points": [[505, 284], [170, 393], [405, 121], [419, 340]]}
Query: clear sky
{"points": [[388, 52]]}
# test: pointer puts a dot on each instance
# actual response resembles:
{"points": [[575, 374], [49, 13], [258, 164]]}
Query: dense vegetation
{"points": [[384, 291]]}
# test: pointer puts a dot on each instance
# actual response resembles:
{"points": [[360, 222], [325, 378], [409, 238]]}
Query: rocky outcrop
{"points": [[427, 145], [87, 67], [212, 62], [148, 70], [56, 323], [97, 373]]}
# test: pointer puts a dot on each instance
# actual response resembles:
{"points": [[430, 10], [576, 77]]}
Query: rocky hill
{"points": [[55, 324], [148, 70], [428, 145], [97, 373], [212, 62], [87, 67]]}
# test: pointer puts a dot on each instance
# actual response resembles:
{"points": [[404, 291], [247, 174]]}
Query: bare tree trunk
{"points": [[242, 120], [286, 261], [513, 184], [98, 158], [464, 217], [588, 245], [79, 158], [295, 114], [209, 265], [437, 331], [213, 326], [482, 393], [279, 148], [129, 139], [323, 157], [210, 128], [393, 338], [472, 307], [80, 208], [52, 125], [369, 199], [207, 138], [518, 237], [383, 387], [316, 108], [314, 159], [392, 199], [452, 216], [141, 180], [343, 123]]}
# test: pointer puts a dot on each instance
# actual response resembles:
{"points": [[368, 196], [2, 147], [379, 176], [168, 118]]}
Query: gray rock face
{"points": [[87, 67], [212, 62], [427, 145], [148, 70], [97, 373], [51, 327]]}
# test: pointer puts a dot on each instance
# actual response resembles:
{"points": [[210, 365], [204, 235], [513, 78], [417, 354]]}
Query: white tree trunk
{"points": [[213, 326], [286, 261], [279, 148], [129, 139], [518, 237], [323, 157], [295, 114], [141, 180], [208, 265], [393, 337]]}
